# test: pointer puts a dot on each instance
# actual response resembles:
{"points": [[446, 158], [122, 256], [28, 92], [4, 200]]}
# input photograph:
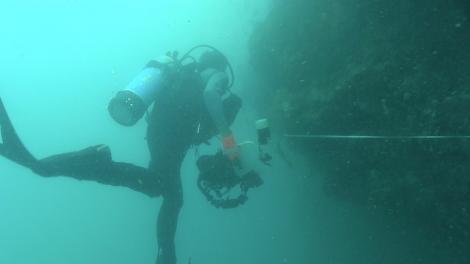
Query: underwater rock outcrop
{"points": [[379, 67]]}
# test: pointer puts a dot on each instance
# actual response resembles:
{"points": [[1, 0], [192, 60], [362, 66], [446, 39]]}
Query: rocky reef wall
{"points": [[377, 67]]}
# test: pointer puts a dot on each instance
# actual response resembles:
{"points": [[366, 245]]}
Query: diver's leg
{"points": [[171, 128], [95, 164], [168, 216], [166, 158], [12, 148], [83, 164]]}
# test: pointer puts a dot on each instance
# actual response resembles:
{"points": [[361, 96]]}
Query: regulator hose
{"points": [[188, 55]]}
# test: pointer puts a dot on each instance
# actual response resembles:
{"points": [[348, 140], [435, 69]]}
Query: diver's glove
{"points": [[231, 149]]}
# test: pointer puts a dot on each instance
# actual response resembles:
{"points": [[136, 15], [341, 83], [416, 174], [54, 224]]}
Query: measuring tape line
{"points": [[372, 137]]}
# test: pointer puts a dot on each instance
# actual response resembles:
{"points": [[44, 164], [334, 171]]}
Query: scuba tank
{"points": [[130, 104]]}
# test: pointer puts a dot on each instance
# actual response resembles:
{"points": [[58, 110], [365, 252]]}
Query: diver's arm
{"points": [[213, 93], [216, 87]]}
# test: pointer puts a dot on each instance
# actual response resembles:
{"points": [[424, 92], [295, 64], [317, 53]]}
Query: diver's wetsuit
{"points": [[171, 131], [189, 113], [178, 121]]}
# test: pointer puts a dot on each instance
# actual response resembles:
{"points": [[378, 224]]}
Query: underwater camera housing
{"points": [[218, 175], [130, 104]]}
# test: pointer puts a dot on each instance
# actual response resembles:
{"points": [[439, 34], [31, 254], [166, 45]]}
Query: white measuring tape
{"points": [[372, 137]]}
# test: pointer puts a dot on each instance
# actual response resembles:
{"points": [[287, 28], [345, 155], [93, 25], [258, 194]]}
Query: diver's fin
{"points": [[12, 148], [81, 164]]}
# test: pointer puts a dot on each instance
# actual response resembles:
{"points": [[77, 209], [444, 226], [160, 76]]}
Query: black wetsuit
{"points": [[172, 129], [178, 121]]}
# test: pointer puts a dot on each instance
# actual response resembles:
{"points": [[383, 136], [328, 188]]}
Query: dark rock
{"points": [[381, 68]]}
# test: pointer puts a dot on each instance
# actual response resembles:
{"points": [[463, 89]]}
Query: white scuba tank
{"points": [[130, 104]]}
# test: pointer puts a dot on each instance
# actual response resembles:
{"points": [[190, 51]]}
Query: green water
{"points": [[61, 63]]}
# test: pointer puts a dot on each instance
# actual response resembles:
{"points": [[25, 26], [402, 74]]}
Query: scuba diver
{"points": [[192, 103]]}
